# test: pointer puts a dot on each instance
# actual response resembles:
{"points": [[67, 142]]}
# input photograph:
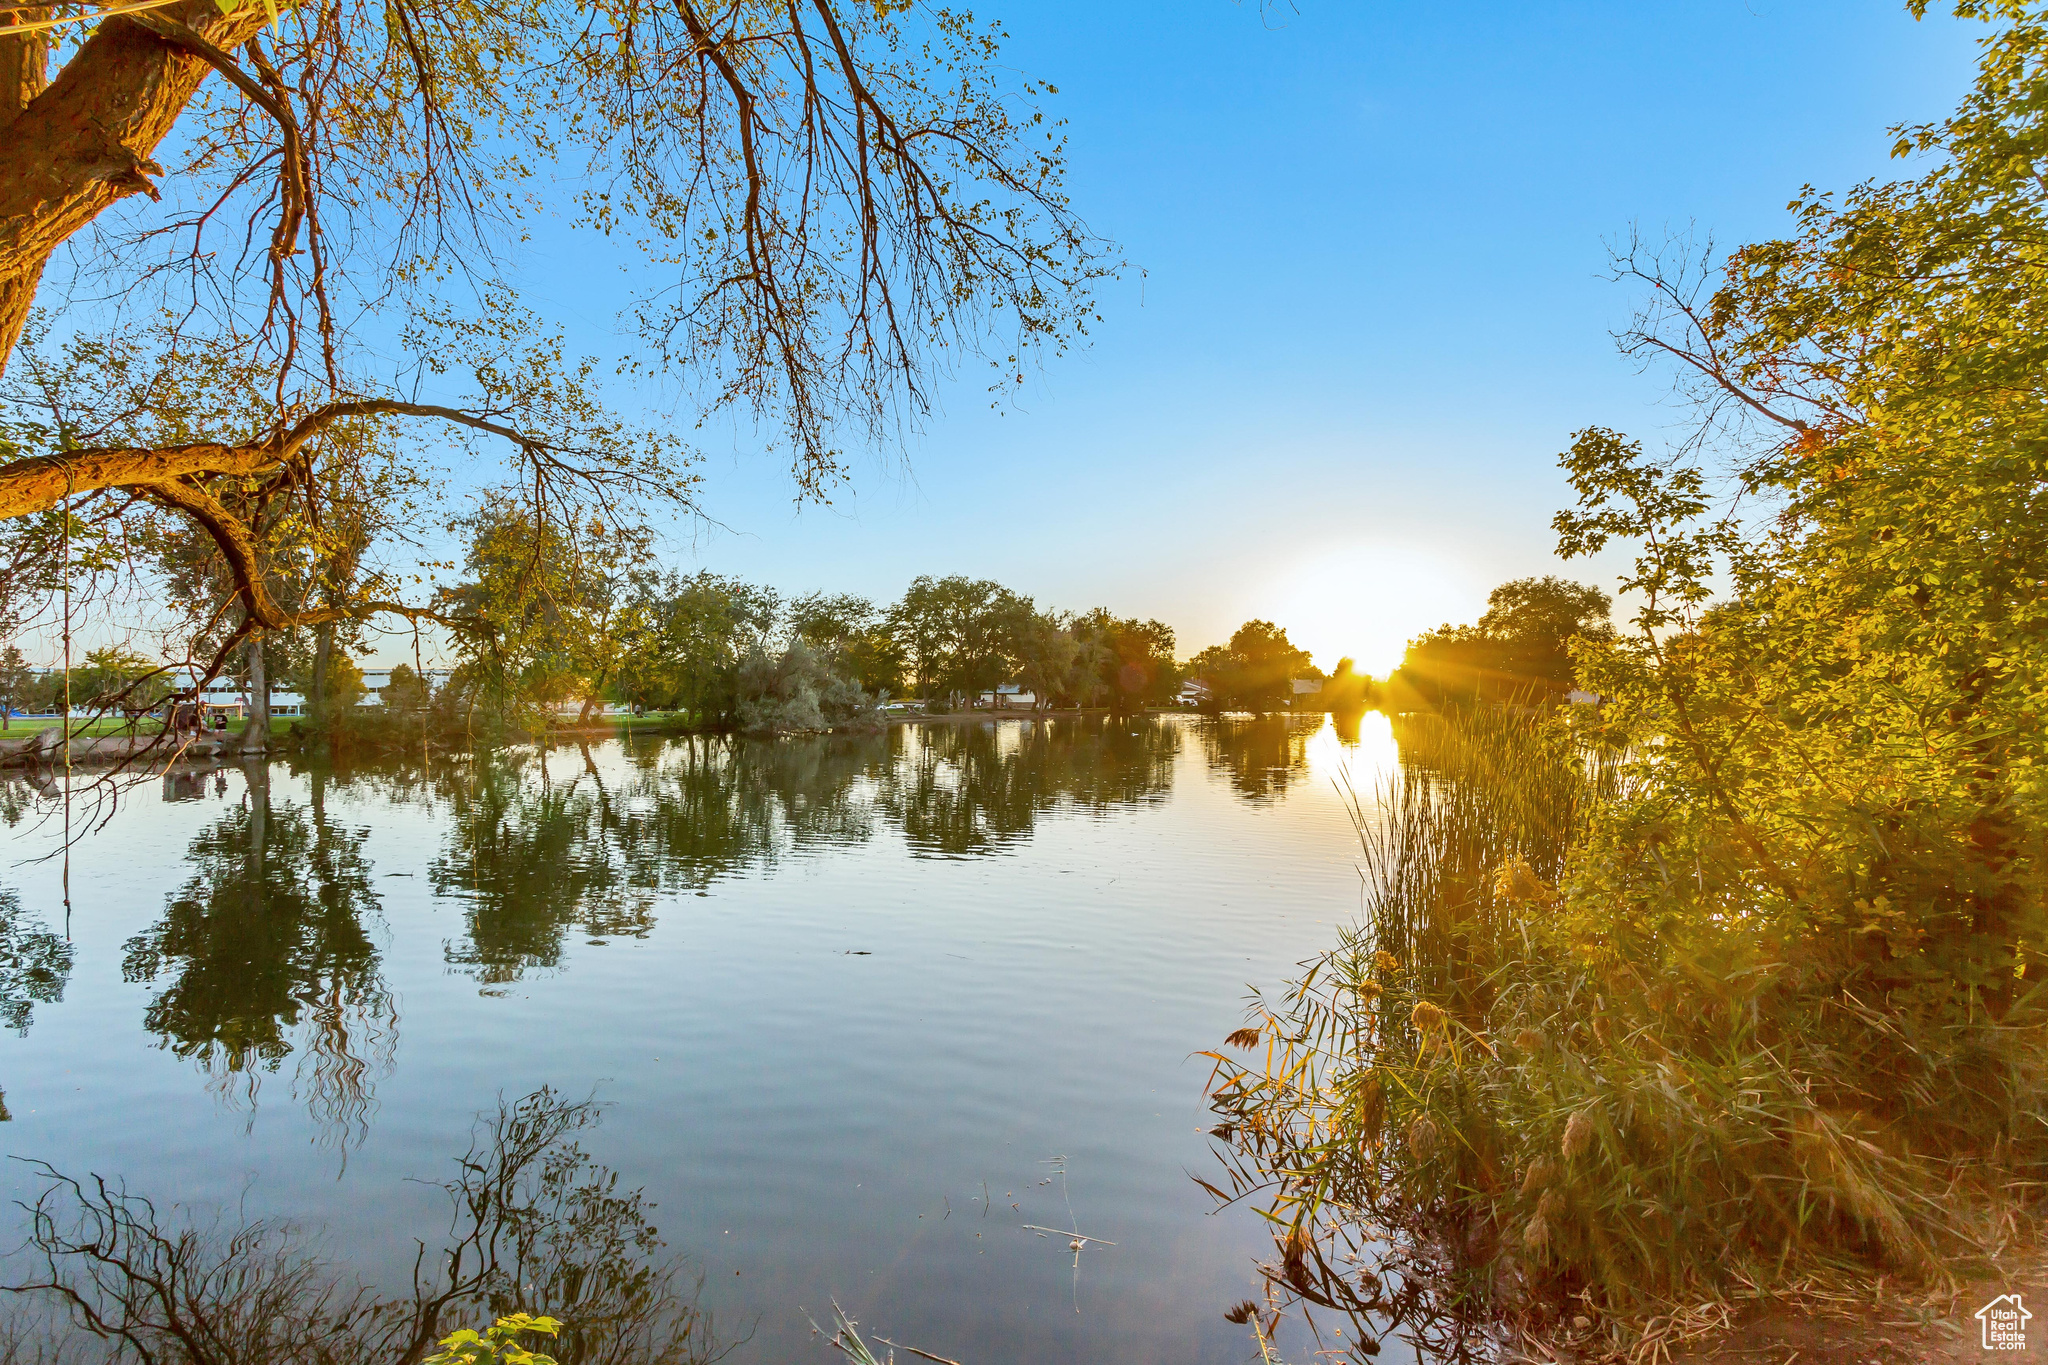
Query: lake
{"points": [[858, 1010]]}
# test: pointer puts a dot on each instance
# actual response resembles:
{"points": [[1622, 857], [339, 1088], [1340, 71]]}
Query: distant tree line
{"points": [[574, 629]]}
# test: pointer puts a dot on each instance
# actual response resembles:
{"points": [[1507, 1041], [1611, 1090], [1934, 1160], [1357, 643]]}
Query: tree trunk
{"points": [[323, 654], [24, 74], [257, 775], [256, 730], [86, 142]]}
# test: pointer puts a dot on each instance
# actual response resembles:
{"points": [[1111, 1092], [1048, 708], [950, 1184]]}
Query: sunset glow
{"points": [[1368, 599]]}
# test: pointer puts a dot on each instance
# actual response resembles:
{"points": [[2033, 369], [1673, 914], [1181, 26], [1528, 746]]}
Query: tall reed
{"points": [[1490, 1109]]}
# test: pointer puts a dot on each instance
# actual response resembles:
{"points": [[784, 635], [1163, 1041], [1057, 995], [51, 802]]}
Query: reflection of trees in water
{"points": [[547, 844], [24, 793], [527, 857], [959, 790], [265, 948], [1262, 757], [34, 965], [537, 1227], [1346, 721]]}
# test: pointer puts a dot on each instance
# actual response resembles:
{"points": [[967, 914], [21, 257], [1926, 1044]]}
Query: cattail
{"points": [[1294, 1259], [1578, 1134], [1540, 1173], [1372, 1105], [1423, 1138]]}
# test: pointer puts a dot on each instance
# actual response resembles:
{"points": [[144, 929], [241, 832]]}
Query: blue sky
{"points": [[1371, 308]]}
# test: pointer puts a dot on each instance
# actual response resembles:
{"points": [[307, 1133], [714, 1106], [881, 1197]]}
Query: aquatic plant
{"points": [[497, 1344], [1476, 1115]]}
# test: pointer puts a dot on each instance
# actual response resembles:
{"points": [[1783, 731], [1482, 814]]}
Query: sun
{"points": [[1367, 599]]}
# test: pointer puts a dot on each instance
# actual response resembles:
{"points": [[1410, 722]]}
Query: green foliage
{"points": [[406, 693], [557, 602], [853, 633], [1253, 671], [686, 638], [1123, 662], [960, 636], [1521, 647], [113, 678], [344, 685], [16, 680], [797, 690], [498, 1344]]}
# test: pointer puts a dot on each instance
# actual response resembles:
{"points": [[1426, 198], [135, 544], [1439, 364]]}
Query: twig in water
{"points": [[914, 1351], [847, 1341], [1079, 1237]]}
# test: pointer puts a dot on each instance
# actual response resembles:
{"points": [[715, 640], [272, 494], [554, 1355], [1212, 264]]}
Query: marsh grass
{"points": [[1485, 1114]]}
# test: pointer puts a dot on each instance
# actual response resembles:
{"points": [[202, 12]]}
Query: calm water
{"points": [[833, 993]]}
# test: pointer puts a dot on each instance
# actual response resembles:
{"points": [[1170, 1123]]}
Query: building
{"points": [[230, 697], [1008, 697]]}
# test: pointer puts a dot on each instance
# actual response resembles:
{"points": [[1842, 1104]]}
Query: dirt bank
{"points": [[1885, 1327]]}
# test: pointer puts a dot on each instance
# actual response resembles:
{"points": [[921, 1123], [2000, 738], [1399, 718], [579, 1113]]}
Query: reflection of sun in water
{"points": [[1368, 601], [1359, 767]]}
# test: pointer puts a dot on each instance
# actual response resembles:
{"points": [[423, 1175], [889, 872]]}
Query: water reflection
{"points": [[537, 1227], [813, 1102], [963, 790], [265, 951], [1263, 756], [545, 845], [34, 965], [267, 942]]}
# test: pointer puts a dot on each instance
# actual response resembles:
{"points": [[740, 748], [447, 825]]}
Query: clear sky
{"points": [[1371, 308]]}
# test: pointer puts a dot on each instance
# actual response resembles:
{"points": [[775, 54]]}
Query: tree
{"points": [[556, 602], [1254, 672], [855, 637], [113, 677], [1050, 659], [342, 689], [843, 196], [687, 640], [1831, 704], [796, 690], [1522, 645], [1132, 660], [15, 677], [959, 635], [405, 693]]}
